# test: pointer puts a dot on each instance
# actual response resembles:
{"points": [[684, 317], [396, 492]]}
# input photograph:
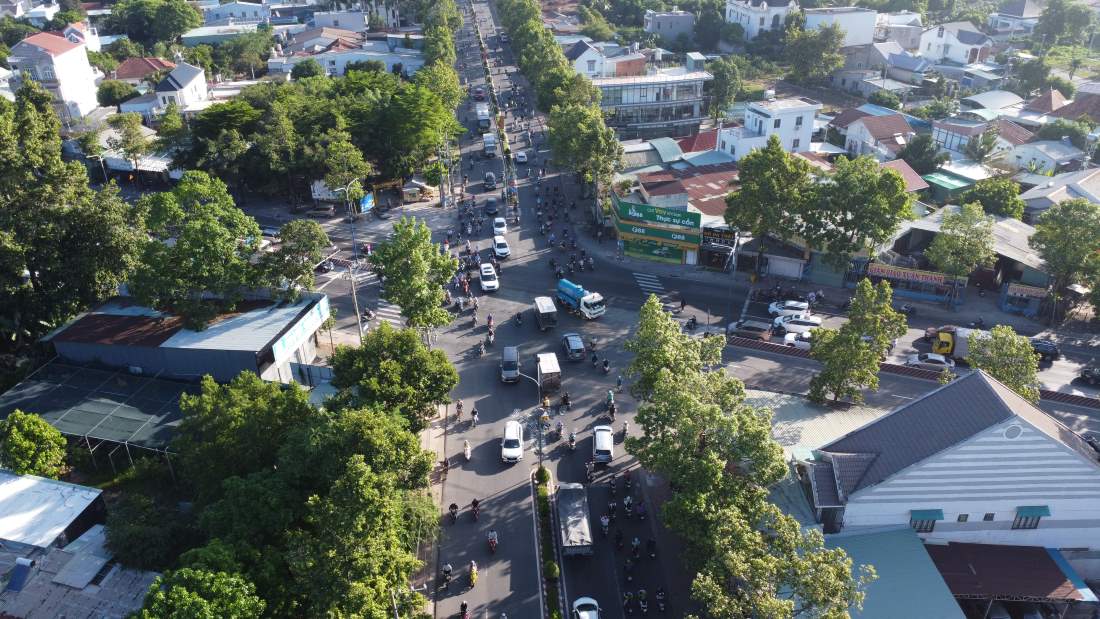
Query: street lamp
{"points": [[355, 254]]}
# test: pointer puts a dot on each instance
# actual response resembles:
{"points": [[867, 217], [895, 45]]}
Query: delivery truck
{"points": [[580, 301], [484, 119], [546, 313], [576, 532], [549, 372], [952, 341], [489, 145]]}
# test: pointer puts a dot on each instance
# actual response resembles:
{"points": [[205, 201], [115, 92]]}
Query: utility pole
{"points": [[355, 301]]}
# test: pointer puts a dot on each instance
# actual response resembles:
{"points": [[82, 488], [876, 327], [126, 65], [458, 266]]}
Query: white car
{"points": [[801, 341], [521, 156], [930, 361], [500, 247], [796, 323], [586, 608], [511, 446], [500, 226], [489, 280], [789, 308]]}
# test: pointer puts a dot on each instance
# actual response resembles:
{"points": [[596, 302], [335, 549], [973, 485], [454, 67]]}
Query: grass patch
{"points": [[551, 570]]}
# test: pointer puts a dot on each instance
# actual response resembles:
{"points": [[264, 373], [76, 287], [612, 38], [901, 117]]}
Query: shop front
{"points": [[913, 283], [657, 233], [1022, 299], [718, 249]]}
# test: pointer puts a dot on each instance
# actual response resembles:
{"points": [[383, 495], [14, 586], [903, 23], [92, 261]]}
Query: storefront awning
{"points": [[926, 514], [1033, 511]]}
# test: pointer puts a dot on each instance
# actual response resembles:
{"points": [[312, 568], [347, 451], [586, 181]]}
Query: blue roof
{"points": [[909, 586], [910, 62], [876, 110], [667, 148]]}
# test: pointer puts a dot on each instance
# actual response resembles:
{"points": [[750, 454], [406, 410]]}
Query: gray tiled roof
{"points": [[578, 50], [926, 426], [823, 485], [180, 77]]}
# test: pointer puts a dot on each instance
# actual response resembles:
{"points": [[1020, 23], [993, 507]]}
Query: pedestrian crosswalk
{"points": [[390, 313], [649, 284]]}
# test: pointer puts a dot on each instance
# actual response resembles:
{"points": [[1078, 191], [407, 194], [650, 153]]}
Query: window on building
{"points": [[798, 123], [761, 22], [929, 48], [775, 21], [1025, 522], [47, 72], [591, 66], [988, 517], [776, 124], [940, 32], [963, 517], [794, 144], [923, 526]]}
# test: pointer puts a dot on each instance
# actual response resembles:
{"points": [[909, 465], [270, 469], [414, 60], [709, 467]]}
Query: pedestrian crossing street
{"points": [[650, 284], [390, 313]]}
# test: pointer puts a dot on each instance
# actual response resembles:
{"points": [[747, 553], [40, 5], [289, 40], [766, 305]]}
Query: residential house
{"points": [[1046, 156], [882, 137], [1037, 112], [322, 39], [215, 35], [1083, 184], [844, 118], [185, 85], [359, 20], [83, 32], [913, 181], [756, 16], [904, 28], [1085, 105], [1009, 136], [1016, 17], [790, 119], [61, 67], [702, 188], [42, 14], [870, 55], [971, 461], [909, 68], [137, 70], [237, 13], [857, 23], [335, 58], [954, 134], [669, 25], [14, 8], [958, 42], [1000, 102], [981, 76], [605, 59]]}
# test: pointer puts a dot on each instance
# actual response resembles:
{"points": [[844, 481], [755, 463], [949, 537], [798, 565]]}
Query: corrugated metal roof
{"points": [[667, 148], [998, 571], [35, 510], [249, 331]]}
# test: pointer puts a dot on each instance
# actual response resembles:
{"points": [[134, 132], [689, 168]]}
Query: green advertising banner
{"points": [[658, 233], [656, 214], [653, 251]]}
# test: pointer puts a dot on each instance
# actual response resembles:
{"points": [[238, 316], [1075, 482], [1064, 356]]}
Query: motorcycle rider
{"points": [[453, 509], [493, 538], [573, 439], [447, 569], [565, 401]]}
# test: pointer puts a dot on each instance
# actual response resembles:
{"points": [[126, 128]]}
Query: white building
{"points": [[605, 59], [904, 28], [669, 24], [1015, 18], [958, 42], [662, 102], [82, 32], [970, 462], [14, 8], [40, 14], [358, 21], [882, 137], [184, 86], [237, 13], [1083, 184], [791, 120], [335, 60], [1045, 156], [61, 67], [757, 16], [857, 23]]}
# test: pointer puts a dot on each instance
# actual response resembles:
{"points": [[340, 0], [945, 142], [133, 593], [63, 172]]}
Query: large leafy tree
{"points": [[964, 243], [873, 317], [775, 192], [196, 593], [442, 79], [849, 365], [112, 92], [583, 143], [1063, 21], [415, 271], [151, 21], [1031, 75], [923, 154], [1008, 357], [980, 147], [62, 245], [724, 87], [201, 244], [999, 195], [1067, 237], [1077, 131], [815, 53], [301, 246], [130, 139], [859, 207], [394, 368], [747, 556], [29, 445]]}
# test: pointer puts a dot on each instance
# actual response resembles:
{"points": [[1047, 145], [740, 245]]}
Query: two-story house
{"points": [[857, 23], [1016, 17], [882, 137], [237, 13], [185, 85], [61, 67], [668, 24], [791, 120], [959, 42], [360, 20], [969, 462], [83, 32], [605, 59], [756, 16], [1046, 156], [904, 28], [137, 70]]}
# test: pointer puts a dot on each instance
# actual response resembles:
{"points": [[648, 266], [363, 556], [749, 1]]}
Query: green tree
{"points": [[937, 109], [443, 80], [860, 208], [724, 87], [124, 48], [173, 18], [1077, 131], [129, 139], [849, 365], [583, 143], [964, 242], [211, 255], [1008, 357], [998, 195], [394, 369], [345, 167], [415, 272], [375, 66], [1031, 75], [775, 190], [980, 147], [142, 533], [658, 343], [709, 23], [595, 25], [872, 316], [1066, 237], [307, 68], [885, 98], [1062, 85], [814, 54], [149, 21], [91, 146], [1063, 21], [923, 154], [196, 593], [302, 245], [102, 61], [29, 445]]}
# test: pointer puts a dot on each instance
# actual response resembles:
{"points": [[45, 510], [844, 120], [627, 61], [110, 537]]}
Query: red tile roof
{"points": [[1012, 133], [846, 117], [139, 68], [52, 44], [704, 140], [999, 571], [1088, 107], [913, 181], [886, 129], [707, 186], [1046, 102]]}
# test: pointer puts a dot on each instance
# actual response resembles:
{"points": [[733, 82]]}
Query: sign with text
{"points": [[658, 233], [877, 269], [1022, 290], [656, 214], [720, 236]]}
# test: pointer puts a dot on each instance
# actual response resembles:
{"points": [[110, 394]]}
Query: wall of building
{"points": [[757, 19], [908, 37], [179, 363], [990, 473], [858, 26], [941, 44], [76, 81], [669, 26], [237, 12]]}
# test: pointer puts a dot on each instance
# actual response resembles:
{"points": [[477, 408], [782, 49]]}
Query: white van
{"points": [[603, 444], [509, 364]]}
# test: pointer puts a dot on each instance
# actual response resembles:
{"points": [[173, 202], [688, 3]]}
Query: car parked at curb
{"points": [[796, 323], [789, 308], [930, 361]]}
